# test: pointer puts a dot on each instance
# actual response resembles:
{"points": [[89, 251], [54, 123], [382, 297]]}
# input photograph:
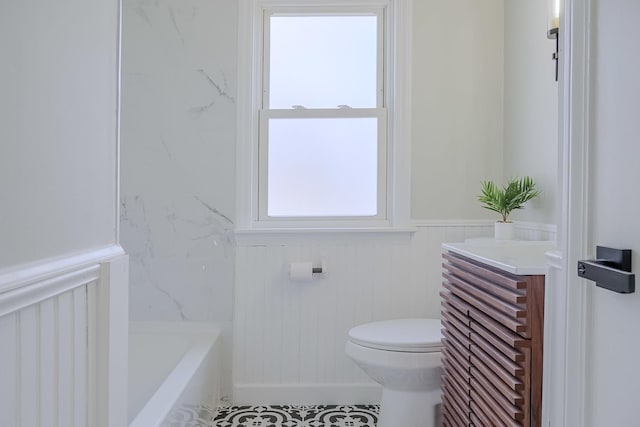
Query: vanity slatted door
{"points": [[492, 357]]}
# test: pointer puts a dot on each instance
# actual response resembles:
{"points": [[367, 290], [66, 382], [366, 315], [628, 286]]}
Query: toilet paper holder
{"points": [[306, 271], [320, 270]]}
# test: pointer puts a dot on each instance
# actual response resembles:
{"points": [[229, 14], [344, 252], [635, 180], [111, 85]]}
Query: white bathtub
{"points": [[171, 364]]}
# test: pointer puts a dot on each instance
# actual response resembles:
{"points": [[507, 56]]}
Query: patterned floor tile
{"points": [[276, 416], [297, 416], [190, 416]]}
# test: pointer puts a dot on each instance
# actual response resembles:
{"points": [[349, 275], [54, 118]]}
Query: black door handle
{"points": [[610, 270]]}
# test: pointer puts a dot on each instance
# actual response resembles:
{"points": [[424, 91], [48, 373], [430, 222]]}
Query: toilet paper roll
{"points": [[300, 271]]}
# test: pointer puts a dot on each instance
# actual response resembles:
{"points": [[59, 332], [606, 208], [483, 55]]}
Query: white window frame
{"points": [[393, 111]]}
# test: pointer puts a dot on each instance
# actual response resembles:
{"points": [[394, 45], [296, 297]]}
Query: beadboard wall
{"points": [[289, 336], [49, 338], [63, 326]]}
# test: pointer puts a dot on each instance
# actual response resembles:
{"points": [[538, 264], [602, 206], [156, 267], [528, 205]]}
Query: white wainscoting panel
{"points": [[44, 358], [535, 231], [289, 336], [9, 383], [50, 330]]}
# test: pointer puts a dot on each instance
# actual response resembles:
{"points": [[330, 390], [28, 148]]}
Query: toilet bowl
{"points": [[403, 356]]}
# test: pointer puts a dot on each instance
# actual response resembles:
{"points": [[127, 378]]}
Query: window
{"points": [[319, 124], [322, 136]]}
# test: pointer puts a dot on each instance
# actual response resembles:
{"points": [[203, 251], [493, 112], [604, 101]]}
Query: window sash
{"points": [[380, 114], [379, 12]]}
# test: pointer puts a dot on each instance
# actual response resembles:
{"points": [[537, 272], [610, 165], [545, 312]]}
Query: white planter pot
{"points": [[504, 231]]}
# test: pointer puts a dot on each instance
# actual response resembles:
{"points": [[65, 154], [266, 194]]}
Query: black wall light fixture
{"points": [[553, 28]]}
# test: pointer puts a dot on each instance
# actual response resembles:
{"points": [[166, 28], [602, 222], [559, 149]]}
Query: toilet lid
{"points": [[410, 335]]}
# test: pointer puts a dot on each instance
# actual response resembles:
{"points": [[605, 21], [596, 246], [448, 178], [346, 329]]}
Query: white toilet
{"points": [[403, 356]]}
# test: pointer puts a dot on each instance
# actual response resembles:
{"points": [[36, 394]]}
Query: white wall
{"points": [[457, 106], [58, 107], [178, 144], [484, 106], [63, 277], [530, 105]]}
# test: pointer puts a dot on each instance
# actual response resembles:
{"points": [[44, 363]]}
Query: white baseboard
{"points": [[306, 394]]}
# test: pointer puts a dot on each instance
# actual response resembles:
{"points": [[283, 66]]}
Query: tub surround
{"points": [[178, 144]]}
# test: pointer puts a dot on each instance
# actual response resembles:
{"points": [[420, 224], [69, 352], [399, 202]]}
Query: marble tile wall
{"points": [[177, 157]]}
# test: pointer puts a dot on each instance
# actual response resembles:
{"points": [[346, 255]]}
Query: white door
{"points": [[612, 321]]}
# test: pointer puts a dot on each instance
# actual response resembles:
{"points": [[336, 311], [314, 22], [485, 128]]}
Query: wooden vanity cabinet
{"points": [[492, 356]]}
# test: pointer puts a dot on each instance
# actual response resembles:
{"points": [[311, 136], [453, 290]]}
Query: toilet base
{"points": [[409, 408]]}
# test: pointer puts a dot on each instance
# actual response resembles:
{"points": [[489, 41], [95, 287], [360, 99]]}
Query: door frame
{"points": [[573, 198]]}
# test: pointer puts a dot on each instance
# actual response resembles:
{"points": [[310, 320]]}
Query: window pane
{"points": [[322, 167], [323, 61]]}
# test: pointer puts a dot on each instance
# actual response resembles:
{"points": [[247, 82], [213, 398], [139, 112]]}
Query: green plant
{"points": [[511, 196]]}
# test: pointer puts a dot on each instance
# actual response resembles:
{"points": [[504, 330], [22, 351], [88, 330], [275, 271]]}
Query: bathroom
{"points": [[483, 106], [284, 340]]}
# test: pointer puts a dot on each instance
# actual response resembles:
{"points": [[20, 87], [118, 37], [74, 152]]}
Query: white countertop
{"points": [[522, 257]]}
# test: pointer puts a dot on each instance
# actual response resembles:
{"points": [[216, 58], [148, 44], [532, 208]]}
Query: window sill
{"points": [[270, 236]]}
